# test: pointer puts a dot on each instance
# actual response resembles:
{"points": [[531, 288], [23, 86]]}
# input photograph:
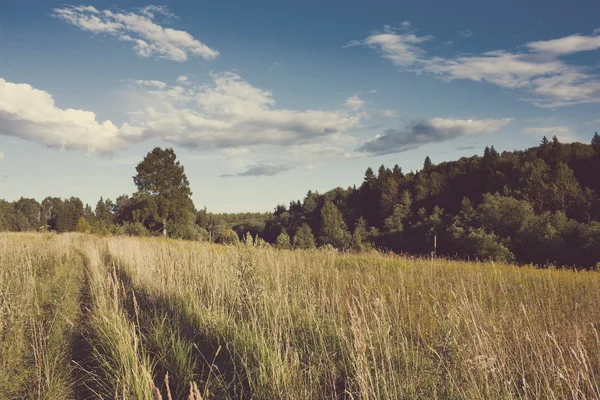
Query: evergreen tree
{"points": [[596, 142], [161, 179], [427, 164], [304, 238], [359, 237], [333, 228], [103, 211]]}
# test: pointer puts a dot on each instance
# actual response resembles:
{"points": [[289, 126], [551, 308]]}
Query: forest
{"points": [[537, 206]]}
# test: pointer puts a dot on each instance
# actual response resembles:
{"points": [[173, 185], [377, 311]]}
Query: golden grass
{"points": [[251, 322]]}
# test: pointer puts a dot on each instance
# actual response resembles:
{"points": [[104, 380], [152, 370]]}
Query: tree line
{"points": [[539, 206]]}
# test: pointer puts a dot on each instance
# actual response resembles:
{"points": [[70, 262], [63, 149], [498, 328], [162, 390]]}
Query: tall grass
{"points": [[172, 319]]}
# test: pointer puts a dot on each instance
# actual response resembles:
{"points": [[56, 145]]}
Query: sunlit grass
{"points": [[250, 322]]}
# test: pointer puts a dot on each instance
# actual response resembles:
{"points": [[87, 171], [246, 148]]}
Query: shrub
{"points": [[283, 241], [227, 236], [83, 226], [100, 228], [135, 229]]}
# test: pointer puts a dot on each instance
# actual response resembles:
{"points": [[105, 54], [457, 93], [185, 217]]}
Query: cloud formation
{"points": [[231, 113], [31, 114], [430, 131], [354, 102], [260, 170], [148, 37], [539, 70], [227, 113]]}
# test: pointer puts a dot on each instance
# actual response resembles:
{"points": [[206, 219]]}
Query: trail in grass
{"points": [[182, 345]]}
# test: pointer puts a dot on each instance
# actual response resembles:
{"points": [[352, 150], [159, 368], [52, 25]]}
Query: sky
{"points": [[265, 100]]}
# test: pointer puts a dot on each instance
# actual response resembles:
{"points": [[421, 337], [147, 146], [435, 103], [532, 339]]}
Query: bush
{"points": [[100, 228], [135, 229], [83, 226], [227, 236], [283, 241]]}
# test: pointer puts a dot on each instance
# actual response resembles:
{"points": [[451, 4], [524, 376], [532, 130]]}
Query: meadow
{"points": [[84, 316]]}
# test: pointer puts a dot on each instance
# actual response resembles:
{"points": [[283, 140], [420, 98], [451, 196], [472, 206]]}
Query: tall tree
{"points": [[304, 238], [596, 142], [333, 228], [161, 179], [427, 164]]}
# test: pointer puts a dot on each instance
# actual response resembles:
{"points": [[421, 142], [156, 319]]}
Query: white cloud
{"points": [[182, 80], [148, 37], [386, 114], [401, 49], [232, 113], [430, 131], [31, 114], [406, 24], [227, 114], [466, 34], [151, 83], [539, 70], [566, 45], [354, 102]]}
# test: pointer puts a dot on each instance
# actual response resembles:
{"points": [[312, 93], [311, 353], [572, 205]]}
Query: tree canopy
{"points": [[540, 205]]}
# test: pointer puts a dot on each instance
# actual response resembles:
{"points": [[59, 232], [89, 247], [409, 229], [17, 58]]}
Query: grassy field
{"points": [[89, 317]]}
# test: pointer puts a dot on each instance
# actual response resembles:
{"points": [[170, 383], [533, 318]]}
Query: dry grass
{"points": [[250, 322]]}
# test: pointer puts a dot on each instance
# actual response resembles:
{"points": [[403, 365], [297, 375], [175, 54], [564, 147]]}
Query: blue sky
{"points": [[263, 101]]}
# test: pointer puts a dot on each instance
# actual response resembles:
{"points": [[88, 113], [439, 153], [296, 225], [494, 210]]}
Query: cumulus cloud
{"points": [[260, 170], [148, 37], [228, 113], [430, 131], [182, 80], [539, 69], [150, 83], [31, 114], [354, 102]]}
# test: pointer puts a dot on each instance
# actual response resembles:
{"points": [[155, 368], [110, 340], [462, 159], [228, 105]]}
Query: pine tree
{"points": [[360, 234], [161, 179], [333, 228], [596, 142], [427, 164], [304, 238]]}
